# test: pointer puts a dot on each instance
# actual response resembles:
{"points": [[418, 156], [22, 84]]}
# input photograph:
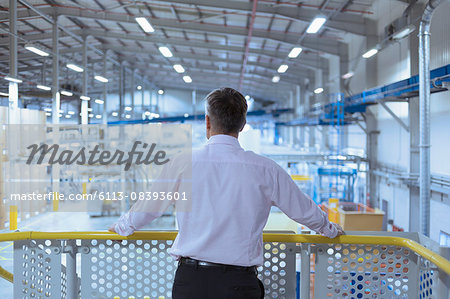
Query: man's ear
{"points": [[245, 122], [208, 122]]}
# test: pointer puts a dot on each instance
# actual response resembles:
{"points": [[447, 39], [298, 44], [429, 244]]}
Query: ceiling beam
{"points": [[350, 23], [324, 45]]}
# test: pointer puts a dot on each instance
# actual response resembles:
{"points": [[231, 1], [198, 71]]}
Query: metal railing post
{"points": [[71, 269], [305, 270]]}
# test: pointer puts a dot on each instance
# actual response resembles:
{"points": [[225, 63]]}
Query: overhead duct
{"points": [[424, 112]]}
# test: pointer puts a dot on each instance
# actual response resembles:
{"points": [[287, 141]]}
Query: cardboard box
{"points": [[356, 216]]}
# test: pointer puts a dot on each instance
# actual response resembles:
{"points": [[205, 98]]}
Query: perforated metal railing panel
{"points": [[363, 271], [278, 272], [130, 268], [144, 268], [38, 269]]}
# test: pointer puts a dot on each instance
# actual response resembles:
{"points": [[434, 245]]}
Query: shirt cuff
{"points": [[329, 230], [123, 227]]}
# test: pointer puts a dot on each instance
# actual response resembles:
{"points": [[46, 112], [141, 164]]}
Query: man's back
{"points": [[232, 192]]}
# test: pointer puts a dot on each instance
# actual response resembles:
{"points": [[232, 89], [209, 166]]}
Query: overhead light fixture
{"points": [[404, 32], [85, 98], [36, 50], [145, 24], [48, 109], [295, 52], [161, 91], [98, 116], [4, 94], [100, 102], [60, 115], [43, 87], [165, 52], [315, 25], [187, 79], [127, 116], [74, 67], [370, 53], [155, 115], [178, 68], [61, 111], [48, 114], [147, 113], [89, 109], [101, 79], [186, 115], [128, 108], [11, 79], [70, 112], [139, 87], [67, 93], [276, 79], [283, 68], [91, 115], [68, 116], [348, 75], [115, 113], [247, 97], [318, 90]]}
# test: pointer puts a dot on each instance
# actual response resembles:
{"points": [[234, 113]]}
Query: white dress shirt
{"points": [[232, 193]]}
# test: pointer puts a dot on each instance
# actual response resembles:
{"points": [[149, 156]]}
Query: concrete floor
{"points": [[63, 221]]}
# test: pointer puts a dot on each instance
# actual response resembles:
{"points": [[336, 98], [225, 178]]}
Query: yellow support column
{"points": [[84, 185], [13, 217], [55, 201]]}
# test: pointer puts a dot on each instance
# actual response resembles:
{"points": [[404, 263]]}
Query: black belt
{"points": [[197, 263]]}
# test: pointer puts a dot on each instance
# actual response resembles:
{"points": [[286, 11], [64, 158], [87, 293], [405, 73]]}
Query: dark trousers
{"points": [[197, 282]]}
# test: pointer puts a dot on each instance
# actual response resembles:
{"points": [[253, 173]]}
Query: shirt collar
{"points": [[223, 139]]}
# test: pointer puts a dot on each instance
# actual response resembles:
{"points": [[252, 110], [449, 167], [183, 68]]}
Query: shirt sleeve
{"points": [[145, 211], [298, 206]]}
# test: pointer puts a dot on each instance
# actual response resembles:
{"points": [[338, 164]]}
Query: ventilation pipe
{"points": [[424, 123]]}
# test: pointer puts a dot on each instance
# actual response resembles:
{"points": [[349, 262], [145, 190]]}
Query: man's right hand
{"points": [[339, 229]]}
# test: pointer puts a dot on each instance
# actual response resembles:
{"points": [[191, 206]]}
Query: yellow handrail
{"points": [[433, 257]]}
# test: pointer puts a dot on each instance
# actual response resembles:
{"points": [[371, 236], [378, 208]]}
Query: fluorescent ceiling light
{"points": [[74, 67], [187, 79], [127, 116], [147, 113], [276, 79], [11, 79], [128, 108], [161, 91], [70, 112], [61, 111], [186, 115], [48, 109], [115, 113], [35, 50], [139, 87], [101, 79], [155, 115], [98, 116], [283, 68], [67, 93], [89, 109], [43, 87], [370, 53], [247, 97], [318, 90], [67, 116], [404, 32], [315, 25], [48, 114], [4, 94], [295, 52], [100, 102], [91, 115], [145, 24], [165, 52], [348, 75], [178, 68], [60, 115], [85, 98]]}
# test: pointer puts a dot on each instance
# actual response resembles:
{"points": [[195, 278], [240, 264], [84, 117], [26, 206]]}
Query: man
{"points": [[219, 242]]}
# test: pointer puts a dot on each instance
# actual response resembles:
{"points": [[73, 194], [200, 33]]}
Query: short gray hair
{"points": [[227, 110]]}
